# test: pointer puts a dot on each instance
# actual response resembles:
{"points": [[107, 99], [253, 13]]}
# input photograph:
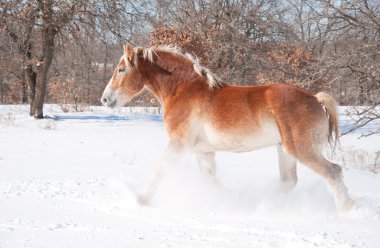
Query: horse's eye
{"points": [[122, 70]]}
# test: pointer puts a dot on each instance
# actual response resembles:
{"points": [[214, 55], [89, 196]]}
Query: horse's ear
{"points": [[128, 52]]}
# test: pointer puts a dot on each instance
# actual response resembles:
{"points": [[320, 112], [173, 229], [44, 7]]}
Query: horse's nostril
{"points": [[104, 100]]}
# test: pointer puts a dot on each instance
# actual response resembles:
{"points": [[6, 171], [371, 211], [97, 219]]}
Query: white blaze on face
{"points": [[109, 96], [114, 98]]}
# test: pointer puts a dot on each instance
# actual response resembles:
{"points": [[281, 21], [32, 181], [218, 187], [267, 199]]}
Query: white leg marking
{"points": [[170, 158], [288, 169], [207, 164]]}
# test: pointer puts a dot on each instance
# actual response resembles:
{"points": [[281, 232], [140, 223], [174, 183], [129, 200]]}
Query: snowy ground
{"points": [[70, 181]]}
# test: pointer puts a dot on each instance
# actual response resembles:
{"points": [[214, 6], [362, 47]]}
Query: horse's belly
{"points": [[236, 140]]}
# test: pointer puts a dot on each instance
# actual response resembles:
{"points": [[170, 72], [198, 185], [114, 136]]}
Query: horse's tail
{"points": [[330, 106]]}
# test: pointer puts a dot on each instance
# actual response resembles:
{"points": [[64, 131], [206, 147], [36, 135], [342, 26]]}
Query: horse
{"points": [[204, 115]]}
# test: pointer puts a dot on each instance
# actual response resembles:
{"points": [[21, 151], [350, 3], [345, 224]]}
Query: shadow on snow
{"points": [[345, 125], [140, 117]]}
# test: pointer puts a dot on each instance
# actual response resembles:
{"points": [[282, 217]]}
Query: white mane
{"points": [[212, 80]]}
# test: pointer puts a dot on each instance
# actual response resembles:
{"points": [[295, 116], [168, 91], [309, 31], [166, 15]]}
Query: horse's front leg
{"points": [[207, 165], [171, 156]]}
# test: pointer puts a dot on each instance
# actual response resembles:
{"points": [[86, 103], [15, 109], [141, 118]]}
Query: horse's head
{"points": [[126, 81], [160, 69]]}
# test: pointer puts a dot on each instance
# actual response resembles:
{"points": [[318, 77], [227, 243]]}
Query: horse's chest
{"points": [[235, 139]]}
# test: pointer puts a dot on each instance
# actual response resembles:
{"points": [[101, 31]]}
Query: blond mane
{"points": [[149, 53]]}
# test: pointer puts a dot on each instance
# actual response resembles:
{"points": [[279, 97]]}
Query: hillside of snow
{"points": [[71, 180]]}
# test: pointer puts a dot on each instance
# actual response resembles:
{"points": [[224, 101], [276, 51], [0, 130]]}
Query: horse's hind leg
{"points": [[288, 169], [332, 173]]}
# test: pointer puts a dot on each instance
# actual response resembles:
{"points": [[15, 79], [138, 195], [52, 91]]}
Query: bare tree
{"points": [[35, 26], [26, 22], [351, 56], [234, 35]]}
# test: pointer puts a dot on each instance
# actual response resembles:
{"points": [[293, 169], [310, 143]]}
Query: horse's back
{"points": [[233, 106]]}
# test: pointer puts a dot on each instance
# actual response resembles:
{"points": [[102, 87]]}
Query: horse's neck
{"points": [[163, 84], [161, 87]]}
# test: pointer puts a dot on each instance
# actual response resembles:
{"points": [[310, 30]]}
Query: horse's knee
{"points": [[206, 163], [143, 199], [287, 164], [335, 171]]}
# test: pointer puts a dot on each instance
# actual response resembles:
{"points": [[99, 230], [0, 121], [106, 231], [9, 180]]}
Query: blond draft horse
{"points": [[204, 115]]}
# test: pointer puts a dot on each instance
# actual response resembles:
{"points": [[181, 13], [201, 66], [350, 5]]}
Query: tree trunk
{"points": [[24, 87], [37, 105], [31, 79], [105, 74], [39, 99], [1, 91], [30, 76]]}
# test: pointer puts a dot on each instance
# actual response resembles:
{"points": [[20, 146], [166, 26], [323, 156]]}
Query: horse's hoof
{"points": [[348, 205], [143, 200]]}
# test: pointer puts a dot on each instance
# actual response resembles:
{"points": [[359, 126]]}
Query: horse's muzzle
{"points": [[108, 102], [108, 98], [105, 101]]}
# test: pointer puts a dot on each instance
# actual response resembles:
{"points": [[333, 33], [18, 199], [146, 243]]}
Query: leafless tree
{"points": [[26, 22], [35, 26], [351, 56]]}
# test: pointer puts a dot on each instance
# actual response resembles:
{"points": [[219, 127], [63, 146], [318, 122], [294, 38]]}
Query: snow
{"points": [[71, 180]]}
